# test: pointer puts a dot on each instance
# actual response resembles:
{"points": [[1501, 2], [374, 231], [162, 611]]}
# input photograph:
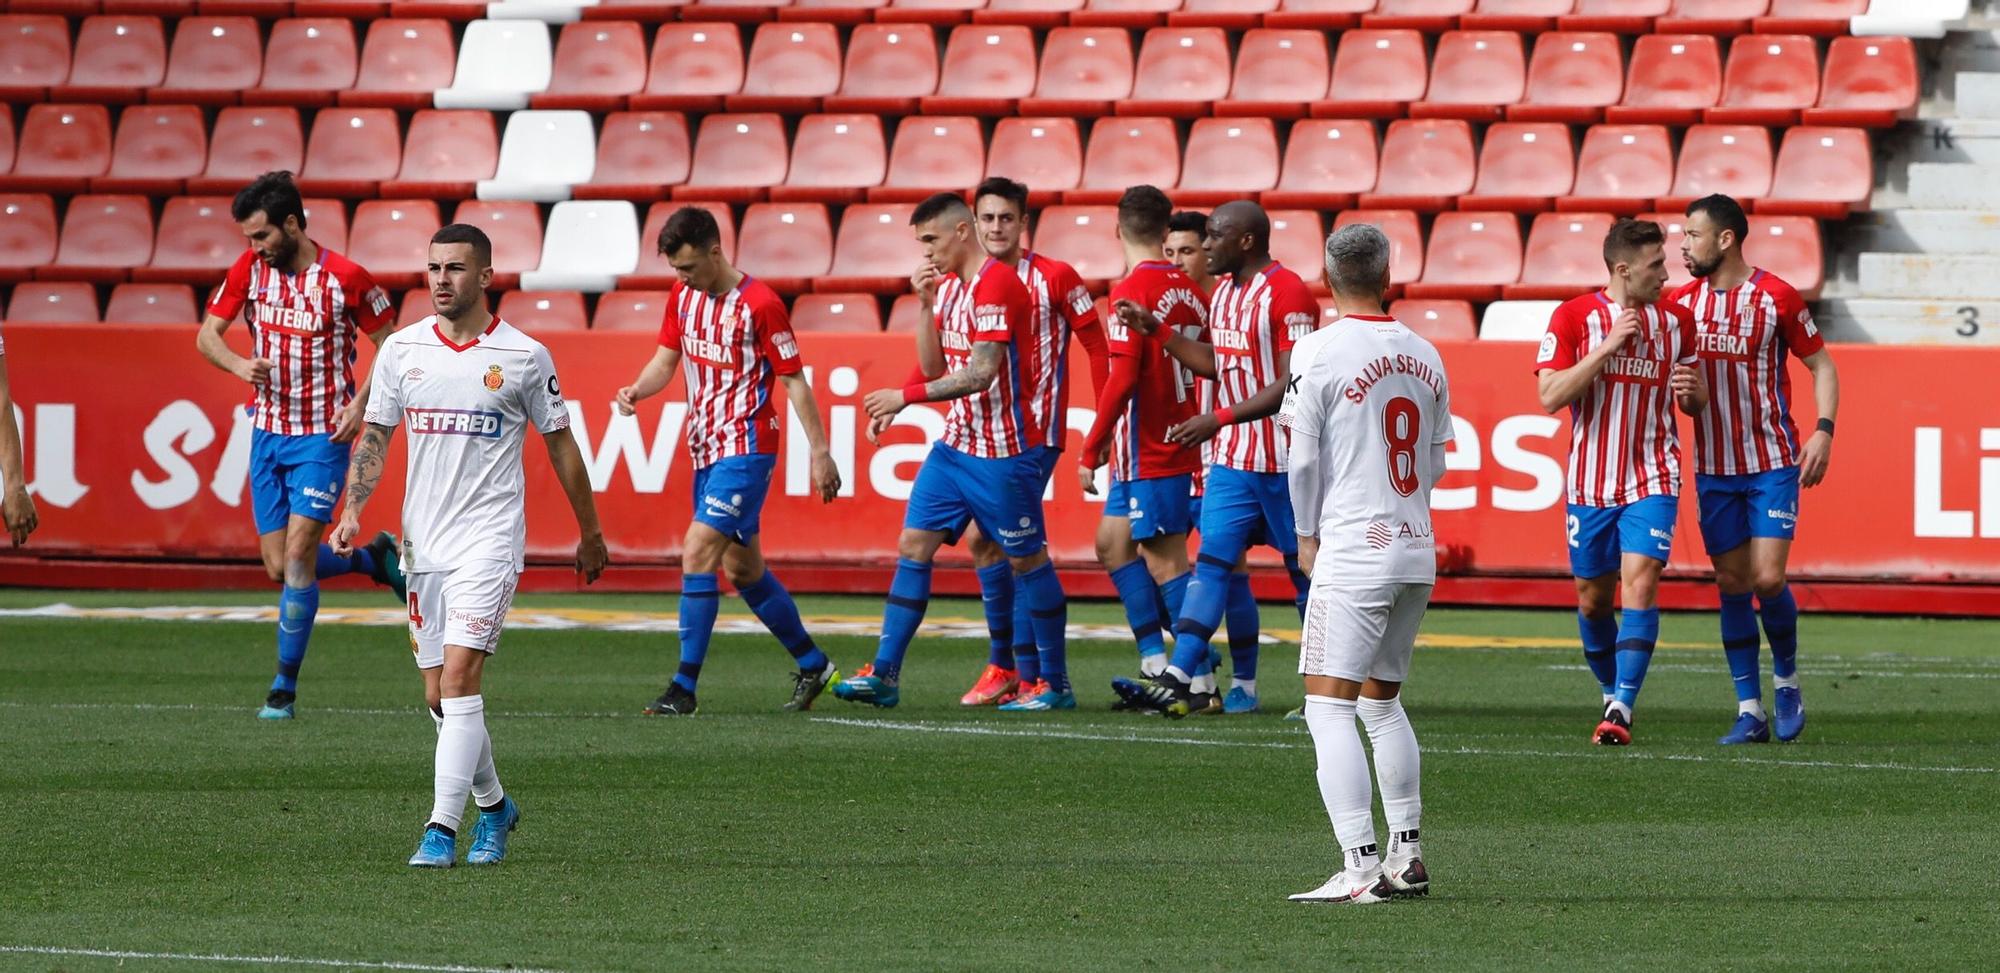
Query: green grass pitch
{"points": [[144, 810]]}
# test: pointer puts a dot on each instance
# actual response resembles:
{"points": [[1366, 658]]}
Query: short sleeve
{"points": [[385, 390], [1121, 340], [1684, 294], [1561, 344], [227, 301], [1795, 323], [546, 408], [1684, 322], [1444, 433], [997, 309], [670, 321], [1074, 298], [1294, 312], [373, 310], [1304, 407], [775, 341]]}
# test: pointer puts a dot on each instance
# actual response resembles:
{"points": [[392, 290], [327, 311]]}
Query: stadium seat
{"points": [[1135, 14], [308, 61], [1426, 15], [1517, 320], [928, 11], [1870, 82], [1228, 158], [1084, 70], [1788, 246], [932, 154], [34, 56], [636, 311], [103, 238], [542, 155], [1298, 240], [403, 62], [1820, 18], [1406, 240], [515, 227], [214, 60], [1770, 78], [1821, 172], [1086, 237], [351, 151], [1326, 163], [415, 306], [842, 12], [641, 155], [62, 147], [588, 246], [737, 158], [1181, 72], [500, 64], [874, 251], [326, 222], [902, 315], [1470, 257], [694, 66], [1711, 16], [1279, 73], [158, 148], [889, 67], [792, 66], [1425, 164], [27, 234], [1323, 15], [1730, 159], [786, 245], [392, 238], [248, 142], [540, 312], [986, 70], [835, 159], [1572, 78], [1038, 14], [152, 304], [1475, 75], [6, 141], [1615, 16], [1127, 152], [837, 314], [1376, 74], [1234, 15], [115, 60], [1523, 166], [654, 271], [1044, 153], [735, 11], [1437, 320], [1564, 258], [1526, 16], [197, 241], [446, 154], [1622, 169], [1671, 79], [597, 65], [52, 302]]}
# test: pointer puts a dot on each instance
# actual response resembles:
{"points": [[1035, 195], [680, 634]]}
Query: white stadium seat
{"points": [[1516, 320], [589, 243], [542, 155], [500, 63], [1909, 18], [547, 11]]}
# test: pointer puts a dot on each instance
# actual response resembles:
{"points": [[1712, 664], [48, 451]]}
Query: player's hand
{"points": [[1135, 317], [923, 283], [1195, 431], [1308, 554], [1813, 459], [883, 403], [342, 538], [825, 476], [347, 424], [876, 427], [1624, 329], [627, 401], [1685, 382], [591, 557], [1086, 477], [256, 371], [18, 511]]}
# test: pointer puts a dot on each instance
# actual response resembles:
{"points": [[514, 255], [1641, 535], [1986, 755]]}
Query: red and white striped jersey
{"points": [[732, 349], [307, 324], [1743, 335], [1148, 391], [1250, 323], [995, 307], [1624, 445], [1059, 306]]}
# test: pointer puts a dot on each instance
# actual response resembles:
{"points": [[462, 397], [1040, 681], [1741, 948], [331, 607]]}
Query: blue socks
{"points": [[1240, 616], [1637, 631], [1740, 644], [1600, 643], [773, 606], [1781, 628], [297, 607], [331, 565], [1142, 599], [1301, 584], [700, 599], [996, 593], [1201, 613], [909, 597], [1049, 614], [1027, 658]]}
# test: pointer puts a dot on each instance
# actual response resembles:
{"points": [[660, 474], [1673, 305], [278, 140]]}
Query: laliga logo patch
{"points": [[1548, 352], [494, 379]]}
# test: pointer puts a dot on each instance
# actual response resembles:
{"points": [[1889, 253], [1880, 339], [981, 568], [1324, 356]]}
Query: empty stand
{"points": [[6, 141], [1044, 153], [34, 56], [542, 155], [835, 159], [874, 252], [1471, 256], [1475, 75], [1425, 164], [103, 238], [1711, 16], [326, 223], [308, 61], [1228, 158], [637, 311], [1622, 169], [392, 238], [1730, 159], [1437, 320], [53, 302], [403, 62], [1870, 81], [889, 67], [902, 315], [786, 245], [1769, 80], [1084, 70], [1564, 258], [932, 154], [1822, 18], [1298, 241], [515, 227], [1573, 78], [198, 239], [213, 60], [1327, 162], [540, 312], [1672, 78], [1517, 320], [1406, 239], [986, 70], [597, 65], [1822, 172], [654, 271], [248, 142], [1376, 74], [1279, 73], [1086, 237], [351, 151], [500, 64], [27, 234], [1527, 16], [737, 158], [1181, 71], [641, 155], [152, 304], [1788, 246], [837, 314], [446, 154], [115, 59], [62, 147], [1523, 166], [588, 246], [158, 148], [791, 67], [693, 67], [1127, 152]]}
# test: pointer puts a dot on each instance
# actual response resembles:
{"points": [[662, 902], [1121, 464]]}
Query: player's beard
{"points": [[281, 256], [1698, 268], [461, 303]]}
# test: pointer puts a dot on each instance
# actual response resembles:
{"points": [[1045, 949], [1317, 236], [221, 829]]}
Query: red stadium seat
{"points": [[392, 238], [415, 306], [835, 159], [1084, 70], [103, 238], [1228, 158], [1318, 14], [1572, 78], [197, 242], [786, 245], [874, 252], [986, 70], [1127, 152], [446, 153], [308, 61], [403, 62], [640, 156], [326, 222], [902, 315], [1565, 257], [1181, 72], [1730, 159], [1622, 169], [1226, 14], [932, 154], [248, 142], [1327, 162], [34, 56], [694, 66], [1523, 166], [1044, 153], [929, 11], [1616, 16], [1137, 14], [1870, 82], [792, 66], [351, 151], [1788, 246], [1711, 16], [1471, 256], [515, 227], [27, 234], [837, 314], [1770, 78], [1526, 16], [654, 271], [159, 147], [637, 311], [53, 302], [116, 59], [1821, 172], [1437, 320], [737, 158], [1376, 73], [1672, 77], [737, 11], [1425, 15], [6, 141], [1425, 164], [1298, 240], [214, 60], [62, 147], [1028, 13], [1406, 240], [1084, 236], [843, 12], [1279, 73], [1475, 75], [152, 304], [540, 312], [598, 64], [1820, 18], [889, 67]]}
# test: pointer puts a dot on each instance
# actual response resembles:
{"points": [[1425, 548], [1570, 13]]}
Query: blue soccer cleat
{"points": [[389, 565], [489, 836], [1043, 700], [866, 687], [277, 706], [435, 850], [1748, 729], [1791, 714], [1238, 701]]}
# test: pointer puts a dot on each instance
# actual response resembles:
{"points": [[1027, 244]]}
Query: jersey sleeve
{"points": [[1562, 345], [227, 301], [372, 310], [670, 320], [1684, 294], [385, 390], [1121, 341], [1795, 321], [1294, 312], [775, 341], [1304, 407], [998, 311], [1688, 354], [1444, 433], [546, 408], [1084, 323]]}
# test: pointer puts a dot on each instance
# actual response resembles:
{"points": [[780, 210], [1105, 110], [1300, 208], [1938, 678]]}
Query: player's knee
{"points": [[1768, 581], [298, 573], [742, 574], [1594, 601], [915, 545], [1642, 593], [1029, 562]]}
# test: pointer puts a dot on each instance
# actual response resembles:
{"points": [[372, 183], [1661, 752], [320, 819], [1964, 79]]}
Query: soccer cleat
{"points": [[674, 702], [1748, 729], [806, 687], [1131, 695], [1408, 877], [1041, 700], [995, 685], [1160, 693], [489, 836], [866, 687], [1614, 730], [278, 705], [1348, 888], [1238, 702], [389, 565], [1296, 714], [1196, 704], [435, 850], [1791, 713]]}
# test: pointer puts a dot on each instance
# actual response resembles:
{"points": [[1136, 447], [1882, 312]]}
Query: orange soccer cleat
{"points": [[995, 685]]}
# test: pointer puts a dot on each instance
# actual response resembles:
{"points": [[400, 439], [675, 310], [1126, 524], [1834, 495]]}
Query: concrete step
{"points": [[1950, 186], [1923, 231], [1978, 94], [1964, 141], [1897, 322], [1930, 276], [1910, 18]]}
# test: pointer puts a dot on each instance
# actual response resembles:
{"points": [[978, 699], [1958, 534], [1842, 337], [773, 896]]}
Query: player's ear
{"points": [[486, 277]]}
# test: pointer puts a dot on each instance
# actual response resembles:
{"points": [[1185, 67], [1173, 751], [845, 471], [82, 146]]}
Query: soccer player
{"points": [[467, 385], [1749, 463], [1185, 231], [1142, 537], [17, 509], [1621, 360], [730, 334], [305, 305], [1059, 307], [972, 338], [1370, 413]]}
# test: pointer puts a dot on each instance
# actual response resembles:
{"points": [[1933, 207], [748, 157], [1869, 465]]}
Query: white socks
{"points": [[486, 789], [1751, 706], [1343, 775], [1247, 685], [1398, 764], [1152, 665], [463, 749]]}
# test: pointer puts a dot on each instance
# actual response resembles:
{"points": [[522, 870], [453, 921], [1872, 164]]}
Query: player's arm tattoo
{"points": [[976, 376], [364, 467]]}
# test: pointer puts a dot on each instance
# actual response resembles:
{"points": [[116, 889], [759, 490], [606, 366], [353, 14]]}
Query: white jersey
{"points": [[466, 409], [1373, 397]]}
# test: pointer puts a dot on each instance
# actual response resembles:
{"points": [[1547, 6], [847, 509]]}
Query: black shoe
{"points": [[1162, 693], [674, 702], [806, 687], [389, 565], [1614, 731]]}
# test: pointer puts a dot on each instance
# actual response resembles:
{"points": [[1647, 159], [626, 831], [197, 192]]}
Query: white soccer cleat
{"points": [[1350, 888], [1407, 876]]}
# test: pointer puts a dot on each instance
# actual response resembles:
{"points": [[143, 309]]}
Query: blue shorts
{"points": [[1156, 506], [1004, 496], [1599, 535], [295, 476], [1241, 509], [1737, 508], [729, 494]]}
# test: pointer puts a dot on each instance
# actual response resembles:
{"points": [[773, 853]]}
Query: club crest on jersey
{"points": [[494, 379]]}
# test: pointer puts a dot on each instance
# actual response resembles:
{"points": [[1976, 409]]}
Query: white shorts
{"points": [[1358, 632], [465, 606]]}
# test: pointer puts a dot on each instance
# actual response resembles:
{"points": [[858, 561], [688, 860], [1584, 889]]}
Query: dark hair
{"points": [[482, 246], [272, 194], [1143, 214], [1628, 237], [1188, 221], [1725, 213], [689, 226], [1004, 188], [936, 206]]}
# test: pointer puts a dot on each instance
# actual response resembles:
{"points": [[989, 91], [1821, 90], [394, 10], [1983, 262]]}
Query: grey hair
{"points": [[1357, 258]]}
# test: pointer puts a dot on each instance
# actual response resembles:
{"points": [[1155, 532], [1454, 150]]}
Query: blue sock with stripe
{"points": [[1740, 645], [1637, 631], [1141, 598], [1781, 629], [1027, 658], [297, 607], [909, 598], [996, 593], [1049, 614], [1600, 647], [701, 597], [331, 565], [773, 606], [1173, 594], [1201, 614], [1240, 616]]}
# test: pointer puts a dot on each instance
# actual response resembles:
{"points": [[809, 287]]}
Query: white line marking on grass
{"points": [[267, 960], [334, 710], [1840, 673]]}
